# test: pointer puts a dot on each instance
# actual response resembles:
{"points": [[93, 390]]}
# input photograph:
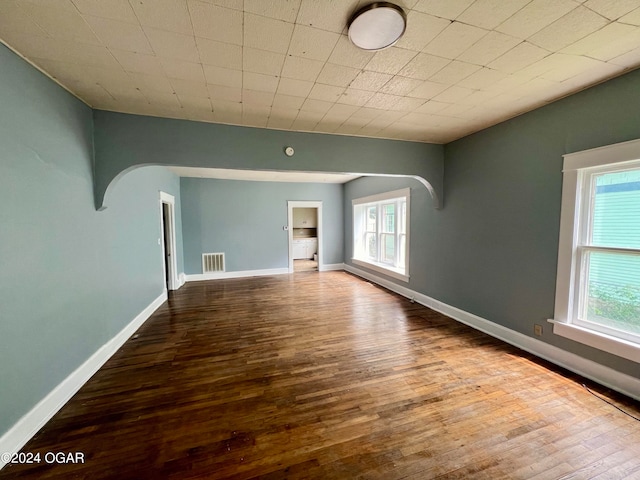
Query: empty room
{"points": [[324, 239]]}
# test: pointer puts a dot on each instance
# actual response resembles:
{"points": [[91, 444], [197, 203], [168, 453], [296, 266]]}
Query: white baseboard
{"points": [[331, 266], [606, 376], [182, 278], [241, 274], [197, 277], [16, 437]]}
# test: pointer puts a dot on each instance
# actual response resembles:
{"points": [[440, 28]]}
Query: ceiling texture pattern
{"points": [[461, 66]]}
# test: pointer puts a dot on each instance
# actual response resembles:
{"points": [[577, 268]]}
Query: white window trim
{"points": [[380, 267], [575, 166]]}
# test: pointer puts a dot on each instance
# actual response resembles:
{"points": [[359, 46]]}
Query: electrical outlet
{"points": [[537, 329]]}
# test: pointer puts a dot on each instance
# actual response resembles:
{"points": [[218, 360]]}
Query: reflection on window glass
{"points": [[372, 245], [613, 290], [610, 295], [388, 223], [388, 253], [616, 210], [371, 219]]}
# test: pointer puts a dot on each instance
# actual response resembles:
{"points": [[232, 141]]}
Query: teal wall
{"points": [[245, 219], [70, 277], [123, 141], [498, 234]]}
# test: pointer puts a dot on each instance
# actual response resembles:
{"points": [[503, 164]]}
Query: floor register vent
{"points": [[212, 262]]}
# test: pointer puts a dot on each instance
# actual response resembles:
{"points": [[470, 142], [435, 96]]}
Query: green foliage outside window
{"points": [[615, 306]]}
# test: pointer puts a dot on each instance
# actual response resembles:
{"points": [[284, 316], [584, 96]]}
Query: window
{"points": [[380, 233], [598, 285]]}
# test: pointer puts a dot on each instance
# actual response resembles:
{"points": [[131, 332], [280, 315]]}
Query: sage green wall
{"points": [[245, 219], [71, 277], [123, 141], [500, 226]]}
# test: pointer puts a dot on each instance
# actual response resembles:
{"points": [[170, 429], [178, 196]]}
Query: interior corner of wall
{"points": [[100, 191]]}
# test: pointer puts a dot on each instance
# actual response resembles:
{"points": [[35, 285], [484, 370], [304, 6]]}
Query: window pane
{"points": [[612, 296], [616, 210], [388, 252], [371, 218], [388, 218], [371, 243], [379, 231]]}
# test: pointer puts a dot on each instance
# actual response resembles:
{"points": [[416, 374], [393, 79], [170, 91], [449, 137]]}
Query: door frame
{"points": [[291, 204], [172, 275]]}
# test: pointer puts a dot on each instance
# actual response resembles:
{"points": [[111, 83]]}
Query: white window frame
{"points": [[578, 169], [379, 200]]}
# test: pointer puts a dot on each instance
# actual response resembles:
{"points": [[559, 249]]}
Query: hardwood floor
{"points": [[323, 375], [305, 266]]}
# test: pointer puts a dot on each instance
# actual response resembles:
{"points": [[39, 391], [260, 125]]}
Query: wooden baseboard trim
{"points": [[601, 374], [25, 428]]}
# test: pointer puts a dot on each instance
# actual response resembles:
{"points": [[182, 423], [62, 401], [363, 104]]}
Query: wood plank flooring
{"points": [[323, 375], [305, 266]]}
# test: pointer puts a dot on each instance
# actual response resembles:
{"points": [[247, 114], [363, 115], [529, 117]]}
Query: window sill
{"points": [[601, 341], [381, 268]]}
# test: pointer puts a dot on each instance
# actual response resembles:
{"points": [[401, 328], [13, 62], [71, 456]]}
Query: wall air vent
{"points": [[212, 262]]}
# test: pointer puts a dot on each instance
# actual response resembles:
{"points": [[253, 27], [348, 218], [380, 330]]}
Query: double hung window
{"points": [[380, 233], [598, 285]]}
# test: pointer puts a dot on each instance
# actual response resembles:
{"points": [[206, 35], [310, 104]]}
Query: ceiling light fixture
{"points": [[377, 25]]}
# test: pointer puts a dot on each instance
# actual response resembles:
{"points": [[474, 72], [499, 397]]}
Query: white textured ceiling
{"points": [[462, 65]]}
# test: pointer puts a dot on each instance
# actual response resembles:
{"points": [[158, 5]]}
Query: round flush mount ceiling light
{"points": [[377, 25]]}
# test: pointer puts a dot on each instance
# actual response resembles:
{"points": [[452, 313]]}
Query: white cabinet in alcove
{"points": [[299, 249], [304, 248]]}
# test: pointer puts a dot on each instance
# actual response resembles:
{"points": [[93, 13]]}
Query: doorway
{"points": [[168, 241], [305, 236]]}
